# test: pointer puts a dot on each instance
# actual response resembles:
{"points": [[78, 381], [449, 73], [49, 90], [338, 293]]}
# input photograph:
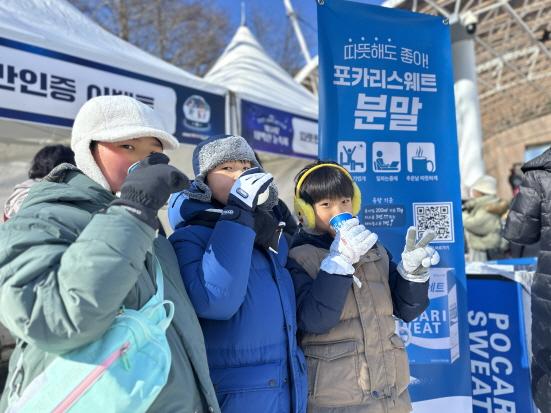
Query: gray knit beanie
{"points": [[216, 150]]}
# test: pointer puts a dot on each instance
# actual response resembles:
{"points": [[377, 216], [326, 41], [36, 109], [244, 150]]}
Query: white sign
{"points": [[305, 137], [46, 86]]}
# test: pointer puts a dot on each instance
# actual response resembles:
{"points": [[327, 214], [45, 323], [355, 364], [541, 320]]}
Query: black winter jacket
{"points": [[529, 221]]}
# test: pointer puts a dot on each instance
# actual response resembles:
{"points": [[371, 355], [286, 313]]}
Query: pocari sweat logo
{"points": [[433, 337]]}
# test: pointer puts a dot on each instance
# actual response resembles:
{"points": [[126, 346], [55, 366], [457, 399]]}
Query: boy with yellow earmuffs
{"points": [[356, 362]]}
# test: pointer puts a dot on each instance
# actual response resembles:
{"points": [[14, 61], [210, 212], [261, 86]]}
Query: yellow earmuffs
{"points": [[305, 211]]}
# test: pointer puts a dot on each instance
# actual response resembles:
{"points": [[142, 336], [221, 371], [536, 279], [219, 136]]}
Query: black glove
{"points": [[148, 186], [249, 186]]}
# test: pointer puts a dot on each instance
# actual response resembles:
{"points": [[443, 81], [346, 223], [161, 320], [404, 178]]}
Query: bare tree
{"points": [[186, 33], [191, 33], [279, 41], [113, 15]]}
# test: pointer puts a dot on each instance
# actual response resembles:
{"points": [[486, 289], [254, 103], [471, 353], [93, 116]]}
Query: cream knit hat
{"points": [[113, 119], [485, 184]]}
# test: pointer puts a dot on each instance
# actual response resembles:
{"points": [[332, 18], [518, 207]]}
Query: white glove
{"points": [[249, 187], [351, 242], [417, 258]]}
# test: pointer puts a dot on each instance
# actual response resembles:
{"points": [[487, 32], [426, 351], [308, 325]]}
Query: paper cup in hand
{"points": [[339, 219]]}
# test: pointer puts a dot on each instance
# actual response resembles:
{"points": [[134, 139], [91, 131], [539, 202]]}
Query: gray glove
{"points": [[418, 257]]}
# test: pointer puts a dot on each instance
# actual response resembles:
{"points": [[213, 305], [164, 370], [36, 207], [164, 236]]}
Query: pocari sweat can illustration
{"points": [[433, 337], [339, 219]]}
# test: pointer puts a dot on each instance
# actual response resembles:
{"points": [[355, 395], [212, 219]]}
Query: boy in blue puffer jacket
{"points": [[241, 291], [233, 262]]}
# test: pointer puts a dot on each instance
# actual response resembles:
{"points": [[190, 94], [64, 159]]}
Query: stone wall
{"points": [[501, 151]]}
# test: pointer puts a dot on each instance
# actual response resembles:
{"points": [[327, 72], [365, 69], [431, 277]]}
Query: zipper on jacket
{"points": [[89, 380], [147, 333], [17, 380]]}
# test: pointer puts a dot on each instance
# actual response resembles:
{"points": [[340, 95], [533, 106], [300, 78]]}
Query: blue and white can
{"points": [[339, 219]]}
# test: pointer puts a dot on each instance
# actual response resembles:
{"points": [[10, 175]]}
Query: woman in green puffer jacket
{"points": [[482, 219], [74, 254]]}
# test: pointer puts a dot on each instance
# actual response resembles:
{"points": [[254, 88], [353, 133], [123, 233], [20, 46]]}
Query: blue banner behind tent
{"points": [[387, 114], [44, 86], [499, 354], [272, 130]]}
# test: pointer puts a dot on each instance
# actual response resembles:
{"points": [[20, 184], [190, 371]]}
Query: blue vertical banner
{"points": [[387, 114], [499, 353]]}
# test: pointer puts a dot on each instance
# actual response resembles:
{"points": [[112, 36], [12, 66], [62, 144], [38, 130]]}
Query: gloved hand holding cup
{"points": [[148, 186], [338, 220], [250, 189], [352, 240]]}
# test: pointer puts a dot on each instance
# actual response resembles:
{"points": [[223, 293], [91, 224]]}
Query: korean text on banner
{"points": [[272, 130], [44, 86]]}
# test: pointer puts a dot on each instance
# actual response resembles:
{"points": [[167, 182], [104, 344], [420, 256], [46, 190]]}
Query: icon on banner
{"points": [[421, 158], [386, 157], [352, 155], [196, 113]]}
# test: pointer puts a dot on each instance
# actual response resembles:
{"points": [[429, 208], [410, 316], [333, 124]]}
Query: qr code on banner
{"points": [[437, 216]]}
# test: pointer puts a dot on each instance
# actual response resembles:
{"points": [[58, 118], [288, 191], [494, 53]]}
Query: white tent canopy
{"points": [[33, 35], [248, 71]]}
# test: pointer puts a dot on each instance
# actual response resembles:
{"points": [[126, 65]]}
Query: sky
{"points": [[305, 9]]}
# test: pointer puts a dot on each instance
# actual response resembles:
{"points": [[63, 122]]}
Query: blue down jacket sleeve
{"points": [[215, 265], [409, 299], [319, 301]]}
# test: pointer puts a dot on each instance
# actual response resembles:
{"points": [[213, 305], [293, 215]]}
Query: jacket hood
{"points": [[20, 192], [542, 162], [490, 203], [67, 183]]}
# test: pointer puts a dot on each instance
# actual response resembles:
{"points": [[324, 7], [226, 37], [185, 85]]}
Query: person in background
{"points": [[515, 249], [482, 220], [527, 223], [43, 162], [356, 361], [515, 177]]}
